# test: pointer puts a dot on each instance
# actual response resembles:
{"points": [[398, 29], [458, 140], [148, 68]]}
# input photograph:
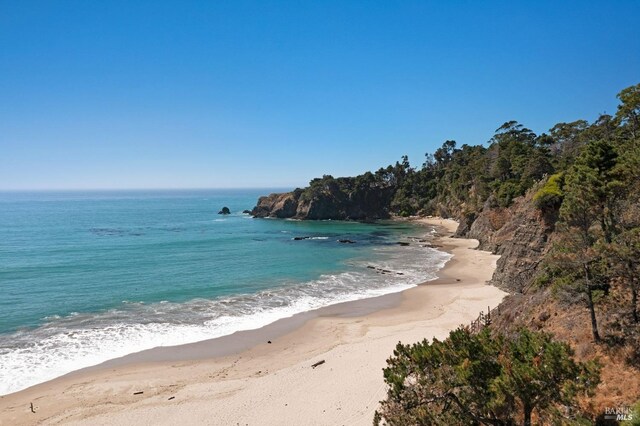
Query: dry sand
{"points": [[272, 384]]}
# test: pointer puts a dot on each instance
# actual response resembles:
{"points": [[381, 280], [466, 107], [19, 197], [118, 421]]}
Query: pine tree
{"points": [[483, 379]]}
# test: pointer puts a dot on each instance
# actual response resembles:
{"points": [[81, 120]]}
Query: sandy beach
{"points": [[248, 381]]}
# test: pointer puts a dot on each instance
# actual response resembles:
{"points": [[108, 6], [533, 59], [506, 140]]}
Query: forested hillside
{"points": [[563, 210]]}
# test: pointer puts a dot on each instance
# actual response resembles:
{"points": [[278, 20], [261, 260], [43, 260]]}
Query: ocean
{"points": [[90, 276]]}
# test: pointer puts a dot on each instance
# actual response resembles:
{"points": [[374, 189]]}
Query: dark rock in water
{"points": [[246, 211], [346, 241], [225, 210], [383, 271], [300, 238], [402, 243]]}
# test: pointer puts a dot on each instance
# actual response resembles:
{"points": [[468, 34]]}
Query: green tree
{"points": [[568, 138], [625, 250], [443, 155], [579, 212], [602, 186], [539, 374], [483, 379], [592, 189], [629, 110], [518, 158]]}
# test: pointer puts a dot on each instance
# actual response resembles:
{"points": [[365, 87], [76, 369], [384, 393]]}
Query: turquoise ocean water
{"points": [[89, 276]]}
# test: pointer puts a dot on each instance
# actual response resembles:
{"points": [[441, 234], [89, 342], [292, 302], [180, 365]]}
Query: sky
{"points": [[227, 94]]}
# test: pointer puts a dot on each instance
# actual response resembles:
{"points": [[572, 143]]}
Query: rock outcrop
{"points": [[225, 210], [329, 201], [282, 206], [519, 234]]}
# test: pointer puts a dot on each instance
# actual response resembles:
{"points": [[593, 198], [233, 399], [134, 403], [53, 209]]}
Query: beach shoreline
{"points": [[243, 379]]}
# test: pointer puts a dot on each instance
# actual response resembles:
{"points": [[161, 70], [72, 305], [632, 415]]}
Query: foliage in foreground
{"points": [[481, 379]]}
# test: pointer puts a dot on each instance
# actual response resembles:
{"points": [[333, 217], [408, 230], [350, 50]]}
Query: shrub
{"points": [[484, 379], [507, 191], [550, 195]]}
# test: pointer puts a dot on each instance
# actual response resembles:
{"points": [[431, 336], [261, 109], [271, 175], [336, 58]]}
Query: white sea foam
{"points": [[80, 340]]}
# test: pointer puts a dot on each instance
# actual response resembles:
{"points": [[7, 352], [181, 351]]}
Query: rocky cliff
{"points": [[519, 234], [328, 199], [282, 206], [522, 234]]}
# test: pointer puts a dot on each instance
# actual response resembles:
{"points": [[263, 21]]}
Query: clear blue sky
{"points": [[157, 94]]}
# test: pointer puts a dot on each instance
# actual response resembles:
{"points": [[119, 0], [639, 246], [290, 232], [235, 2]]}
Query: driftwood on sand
{"points": [[317, 363]]}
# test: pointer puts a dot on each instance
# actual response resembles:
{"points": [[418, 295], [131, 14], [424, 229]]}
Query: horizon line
{"points": [[144, 189]]}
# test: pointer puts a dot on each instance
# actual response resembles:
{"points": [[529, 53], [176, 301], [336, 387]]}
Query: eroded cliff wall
{"points": [[520, 234]]}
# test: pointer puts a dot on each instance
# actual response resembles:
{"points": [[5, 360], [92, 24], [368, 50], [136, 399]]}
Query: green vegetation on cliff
{"points": [[550, 195], [460, 180], [485, 379], [584, 181]]}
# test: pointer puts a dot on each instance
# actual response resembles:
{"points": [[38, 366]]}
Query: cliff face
{"points": [[522, 234], [276, 205], [519, 234], [330, 202]]}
